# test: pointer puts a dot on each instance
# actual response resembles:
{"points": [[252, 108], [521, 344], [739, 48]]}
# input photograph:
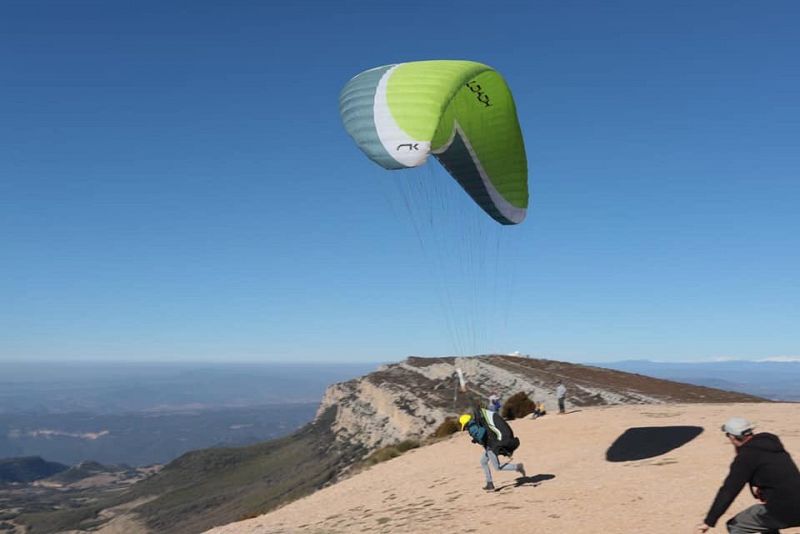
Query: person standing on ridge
{"points": [[491, 448], [561, 394], [763, 463]]}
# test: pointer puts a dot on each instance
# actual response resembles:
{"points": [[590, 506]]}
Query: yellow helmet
{"points": [[464, 420]]}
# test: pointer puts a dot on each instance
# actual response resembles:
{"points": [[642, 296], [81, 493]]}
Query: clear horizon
{"points": [[362, 363], [177, 185]]}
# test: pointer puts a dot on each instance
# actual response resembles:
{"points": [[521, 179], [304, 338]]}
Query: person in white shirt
{"points": [[561, 394]]}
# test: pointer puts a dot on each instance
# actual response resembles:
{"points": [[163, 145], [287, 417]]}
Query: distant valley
{"points": [[105, 388], [144, 438], [143, 414]]}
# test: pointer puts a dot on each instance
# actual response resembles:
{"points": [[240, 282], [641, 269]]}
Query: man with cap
{"points": [[480, 435], [763, 463]]}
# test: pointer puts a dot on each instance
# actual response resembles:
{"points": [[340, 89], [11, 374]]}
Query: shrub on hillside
{"points": [[449, 426], [391, 451], [517, 405], [407, 445]]}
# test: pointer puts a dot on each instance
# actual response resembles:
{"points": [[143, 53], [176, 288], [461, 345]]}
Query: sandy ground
{"points": [[571, 487]]}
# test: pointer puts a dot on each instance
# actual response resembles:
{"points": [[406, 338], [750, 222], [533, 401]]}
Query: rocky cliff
{"points": [[409, 400]]}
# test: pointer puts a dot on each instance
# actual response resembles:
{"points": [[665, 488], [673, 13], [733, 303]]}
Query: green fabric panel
{"points": [[418, 93], [463, 168], [485, 111]]}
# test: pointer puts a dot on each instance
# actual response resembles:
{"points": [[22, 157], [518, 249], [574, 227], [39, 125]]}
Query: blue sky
{"points": [[175, 182]]}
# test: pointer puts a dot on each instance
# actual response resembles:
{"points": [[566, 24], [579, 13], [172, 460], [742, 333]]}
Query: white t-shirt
{"points": [[561, 391]]}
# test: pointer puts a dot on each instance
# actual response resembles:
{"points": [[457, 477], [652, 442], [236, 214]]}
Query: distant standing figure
{"points": [[763, 463], [561, 395], [494, 403]]}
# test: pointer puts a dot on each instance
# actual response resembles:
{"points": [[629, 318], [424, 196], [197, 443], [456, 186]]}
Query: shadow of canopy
{"points": [[639, 443]]}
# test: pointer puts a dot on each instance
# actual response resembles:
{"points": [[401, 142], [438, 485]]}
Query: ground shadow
{"points": [[534, 481], [640, 443]]}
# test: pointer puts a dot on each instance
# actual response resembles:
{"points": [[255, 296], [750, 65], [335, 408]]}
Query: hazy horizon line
{"points": [[719, 359]]}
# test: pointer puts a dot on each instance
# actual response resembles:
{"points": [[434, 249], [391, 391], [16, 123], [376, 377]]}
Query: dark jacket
{"points": [[478, 434], [493, 433], [764, 463]]}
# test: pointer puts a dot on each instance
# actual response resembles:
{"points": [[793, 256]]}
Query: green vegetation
{"points": [[390, 451], [60, 520], [88, 469], [211, 487], [27, 469], [448, 427]]}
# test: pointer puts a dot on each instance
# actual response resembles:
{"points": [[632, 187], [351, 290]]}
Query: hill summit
{"points": [[408, 400], [27, 469]]}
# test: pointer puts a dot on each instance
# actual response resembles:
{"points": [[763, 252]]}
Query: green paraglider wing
{"points": [[462, 112]]}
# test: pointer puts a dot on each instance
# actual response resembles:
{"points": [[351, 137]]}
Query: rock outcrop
{"points": [[409, 400]]}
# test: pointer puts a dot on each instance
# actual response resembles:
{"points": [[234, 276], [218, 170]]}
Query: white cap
{"points": [[737, 427]]}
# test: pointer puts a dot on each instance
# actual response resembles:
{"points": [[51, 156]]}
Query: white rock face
{"points": [[377, 415], [411, 399]]}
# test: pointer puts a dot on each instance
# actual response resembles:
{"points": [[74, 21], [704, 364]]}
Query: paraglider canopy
{"points": [[462, 112]]}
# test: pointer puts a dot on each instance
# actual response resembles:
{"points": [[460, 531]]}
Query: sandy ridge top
{"points": [[571, 487]]}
